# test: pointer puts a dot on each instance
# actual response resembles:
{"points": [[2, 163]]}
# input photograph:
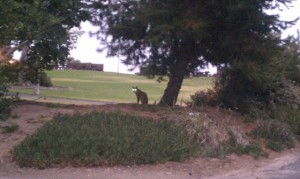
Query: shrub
{"points": [[216, 139], [45, 80], [240, 91], [5, 110], [292, 58], [286, 94], [253, 149], [101, 138], [278, 134], [288, 115], [5, 103], [30, 75], [9, 73], [283, 105], [203, 98]]}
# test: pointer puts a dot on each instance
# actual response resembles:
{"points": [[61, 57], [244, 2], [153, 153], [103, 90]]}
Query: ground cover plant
{"points": [[106, 86], [100, 138]]}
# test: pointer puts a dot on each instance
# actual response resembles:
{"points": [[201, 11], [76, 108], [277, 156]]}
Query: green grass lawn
{"points": [[114, 87]]}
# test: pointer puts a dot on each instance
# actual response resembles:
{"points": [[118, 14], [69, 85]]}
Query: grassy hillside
{"points": [[105, 86]]}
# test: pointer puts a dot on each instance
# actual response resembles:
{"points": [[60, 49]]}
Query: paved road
{"points": [[283, 167]]}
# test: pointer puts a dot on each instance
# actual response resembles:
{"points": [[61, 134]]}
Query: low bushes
{"points": [[101, 138], [280, 103], [277, 134], [202, 98], [5, 110], [5, 103], [217, 139]]}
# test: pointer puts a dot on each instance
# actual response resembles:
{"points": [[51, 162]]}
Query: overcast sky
{"points": [[86, 47]]}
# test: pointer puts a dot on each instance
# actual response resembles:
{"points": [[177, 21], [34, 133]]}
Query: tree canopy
{"points": [[40, 28], [173, 37]]}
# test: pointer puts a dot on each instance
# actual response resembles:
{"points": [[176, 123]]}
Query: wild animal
{"points": [[140, 95]]}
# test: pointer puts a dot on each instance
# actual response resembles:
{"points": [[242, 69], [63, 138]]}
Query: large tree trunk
{"points": [[175, 81]]}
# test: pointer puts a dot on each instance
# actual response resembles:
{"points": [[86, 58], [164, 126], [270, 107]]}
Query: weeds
{"points": [[277, 134], [253, 149], [10, 129], [289, 116], [216, 139], [203, 98], [101, 138]]}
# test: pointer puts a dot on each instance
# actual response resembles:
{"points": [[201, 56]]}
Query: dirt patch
{"points": [[30, 116]]}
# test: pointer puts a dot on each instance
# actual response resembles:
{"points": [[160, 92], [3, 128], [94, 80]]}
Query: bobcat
{"points": [[140, 95]]}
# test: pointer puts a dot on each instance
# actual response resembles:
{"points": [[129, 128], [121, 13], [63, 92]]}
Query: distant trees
{"points": [[173, 37], [73, 60]]}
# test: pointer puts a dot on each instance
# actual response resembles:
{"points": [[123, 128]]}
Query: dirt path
{"points": [[233, 167], [62, 100], [31, 117]]}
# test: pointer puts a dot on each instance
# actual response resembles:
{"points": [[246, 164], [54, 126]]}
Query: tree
{"points": [[41, 29], [173, 37], [292, 55]]}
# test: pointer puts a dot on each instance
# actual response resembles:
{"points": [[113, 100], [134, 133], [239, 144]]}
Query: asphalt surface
{"points": [[285, 167]]}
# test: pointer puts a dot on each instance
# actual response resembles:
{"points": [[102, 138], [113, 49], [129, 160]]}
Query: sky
{"points": [[86, 47]]}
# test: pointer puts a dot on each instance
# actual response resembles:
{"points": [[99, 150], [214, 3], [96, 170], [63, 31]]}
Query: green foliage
{"points": [[173, 38], [32, 76], [42, 29], [277, 134], [101, 138], [5, 110], [245, 85], [290, 116], [10, 129], [5, 102], [6, 77], [292, 58], [283, 105], [45, 80], [9, 73], [188, 31], [286, 94], [252, 149], [203, 98]]}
